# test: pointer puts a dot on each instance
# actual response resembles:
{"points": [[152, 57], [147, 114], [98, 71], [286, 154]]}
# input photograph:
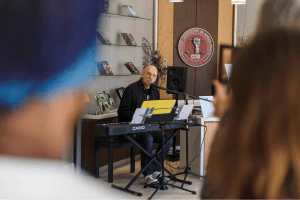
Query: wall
{"points": [[225, 27], [202, 14], [216, 17], [165, 36], [248, 18]]}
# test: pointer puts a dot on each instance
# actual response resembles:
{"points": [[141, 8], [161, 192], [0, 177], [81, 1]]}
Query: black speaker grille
{"points": [[172, 72], [176, 83], [121, 129]]}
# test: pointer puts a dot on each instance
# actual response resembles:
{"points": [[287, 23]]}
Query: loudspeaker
{"points": [[176, 78]]}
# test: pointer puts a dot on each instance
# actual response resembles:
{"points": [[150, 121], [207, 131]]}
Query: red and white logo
{"points": [[196, 47]]}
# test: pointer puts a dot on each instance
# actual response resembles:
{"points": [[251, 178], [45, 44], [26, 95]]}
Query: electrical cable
{"points": [[179, 168]]}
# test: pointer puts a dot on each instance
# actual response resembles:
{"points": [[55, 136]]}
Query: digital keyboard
{"points": [[126, 128]]}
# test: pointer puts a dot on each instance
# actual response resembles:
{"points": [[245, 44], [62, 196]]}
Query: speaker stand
{"points": [[176, 102]]}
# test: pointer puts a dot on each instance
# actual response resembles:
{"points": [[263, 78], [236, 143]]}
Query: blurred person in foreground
{"points": [[262, 128], [273, 14], [47, 50]]}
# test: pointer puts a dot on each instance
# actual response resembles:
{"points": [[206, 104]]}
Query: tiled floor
{"points": [[122, 177]]}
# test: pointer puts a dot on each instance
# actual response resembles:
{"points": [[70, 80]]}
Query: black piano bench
{"points": [[112, 144]]}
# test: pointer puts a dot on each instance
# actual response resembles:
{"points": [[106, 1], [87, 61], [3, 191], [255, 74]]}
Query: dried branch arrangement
{"points": [[155, 58]]}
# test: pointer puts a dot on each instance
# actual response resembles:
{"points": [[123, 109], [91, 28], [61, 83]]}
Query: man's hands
{"points": [[221, 98]]}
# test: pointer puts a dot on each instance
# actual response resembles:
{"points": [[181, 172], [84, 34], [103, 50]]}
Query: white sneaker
{"points": [[157, 175], [150, 180]]}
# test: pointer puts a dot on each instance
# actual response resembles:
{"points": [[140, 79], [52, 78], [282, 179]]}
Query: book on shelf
{"points": [[104, 69], [100, 69], [103, 39], [107, 95], [129, 10], [103, 101], [97, 104], [130, 66], [129, 39], [109, 100], [106, 103], [112, 103]]}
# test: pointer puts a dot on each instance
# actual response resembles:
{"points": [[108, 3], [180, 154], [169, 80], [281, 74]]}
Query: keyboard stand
{"points": [[153, 159]]}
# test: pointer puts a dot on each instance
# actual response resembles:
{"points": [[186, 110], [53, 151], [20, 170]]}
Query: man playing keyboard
{"points": [[134, 96]]}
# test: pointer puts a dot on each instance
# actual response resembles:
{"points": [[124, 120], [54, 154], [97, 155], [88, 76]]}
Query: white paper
{"points": [[207, 107], [184, 112], [228, 68], [138, 116]]}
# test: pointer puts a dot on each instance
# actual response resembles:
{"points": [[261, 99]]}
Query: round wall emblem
{"points": [[196, 47]]}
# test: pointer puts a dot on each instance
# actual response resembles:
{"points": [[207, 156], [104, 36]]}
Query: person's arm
{"points": [[125, 112]]}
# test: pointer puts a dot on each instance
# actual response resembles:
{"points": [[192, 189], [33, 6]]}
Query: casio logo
{"points": [[138, 128]]}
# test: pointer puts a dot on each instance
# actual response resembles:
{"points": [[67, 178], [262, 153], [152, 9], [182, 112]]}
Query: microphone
{"points": [[150, 83]]}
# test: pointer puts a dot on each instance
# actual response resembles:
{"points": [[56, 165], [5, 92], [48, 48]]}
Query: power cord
{"points": [[179, 168]]}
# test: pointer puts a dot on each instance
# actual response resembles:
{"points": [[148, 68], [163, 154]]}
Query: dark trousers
{"points": [[146, 141]]}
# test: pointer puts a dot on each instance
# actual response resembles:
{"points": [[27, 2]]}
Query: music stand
{"points": [[162, 120]]}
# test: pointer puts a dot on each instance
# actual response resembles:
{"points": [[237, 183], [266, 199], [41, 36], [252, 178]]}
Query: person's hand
{"points": [[221, 98]]}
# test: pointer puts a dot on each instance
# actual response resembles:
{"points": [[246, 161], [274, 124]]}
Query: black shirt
{"points": [[147, 92], [133, 98]]}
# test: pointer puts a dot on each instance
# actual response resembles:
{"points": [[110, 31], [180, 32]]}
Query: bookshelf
{"points": [[112, 24]]}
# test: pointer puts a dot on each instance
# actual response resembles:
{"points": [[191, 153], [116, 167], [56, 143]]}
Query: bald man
{"points": [[134, 96]]}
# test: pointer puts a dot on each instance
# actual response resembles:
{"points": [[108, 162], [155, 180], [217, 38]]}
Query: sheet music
{"points": [[138, 116], [206, 106], [184, 112]]}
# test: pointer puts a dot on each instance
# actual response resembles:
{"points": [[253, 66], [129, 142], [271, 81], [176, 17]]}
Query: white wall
{"points": [[112, 27], [246, 27]]}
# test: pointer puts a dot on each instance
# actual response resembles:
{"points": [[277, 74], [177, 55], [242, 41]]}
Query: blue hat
{"points": [[46, 46]]}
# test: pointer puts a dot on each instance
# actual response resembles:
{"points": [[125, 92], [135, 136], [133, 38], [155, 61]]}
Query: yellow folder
{"points": [[160, 106]]}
